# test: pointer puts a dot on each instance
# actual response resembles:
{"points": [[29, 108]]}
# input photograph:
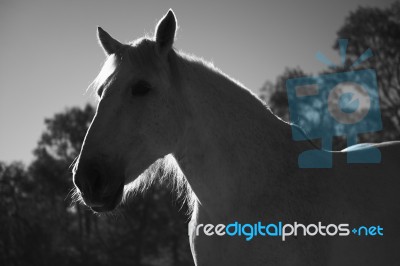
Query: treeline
{"points": [[40, 225]]}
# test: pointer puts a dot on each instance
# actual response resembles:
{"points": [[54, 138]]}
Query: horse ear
{"points": [[108, 43], [165, 32]]}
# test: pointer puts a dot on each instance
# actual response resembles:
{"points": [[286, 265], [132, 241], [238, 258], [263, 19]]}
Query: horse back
{"points": [[367, 195]]}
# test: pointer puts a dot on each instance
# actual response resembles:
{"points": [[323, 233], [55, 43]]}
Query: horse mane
{"points": [[163, 171]]}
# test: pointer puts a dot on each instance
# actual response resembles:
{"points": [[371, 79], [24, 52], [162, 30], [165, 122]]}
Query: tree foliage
{"points": [[366, 27], [378, 29], [41, 226]]}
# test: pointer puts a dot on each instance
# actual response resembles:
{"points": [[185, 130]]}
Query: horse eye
{"points": [[140, 88]]}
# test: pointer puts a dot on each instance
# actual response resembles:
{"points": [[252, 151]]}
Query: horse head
{"points": [[138, 118]]}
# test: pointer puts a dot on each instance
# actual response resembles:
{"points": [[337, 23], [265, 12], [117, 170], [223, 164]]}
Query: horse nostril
{"points": [[88, 181], [97, 182]]}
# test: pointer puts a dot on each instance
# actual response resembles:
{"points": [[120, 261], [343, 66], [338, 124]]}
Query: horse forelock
{"points": [[109, 67], [140, 52]]}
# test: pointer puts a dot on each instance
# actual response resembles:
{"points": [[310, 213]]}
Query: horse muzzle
{"points": [[106, 203], [99, 191]]}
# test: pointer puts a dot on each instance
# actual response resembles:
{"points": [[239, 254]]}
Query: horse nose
{"points": [[90, 184], [99, 193]]}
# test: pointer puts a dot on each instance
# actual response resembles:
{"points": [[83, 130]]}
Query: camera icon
{"points": [[336, 104]]}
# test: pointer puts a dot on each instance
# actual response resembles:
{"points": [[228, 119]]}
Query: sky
{"points": [[49, 52]]}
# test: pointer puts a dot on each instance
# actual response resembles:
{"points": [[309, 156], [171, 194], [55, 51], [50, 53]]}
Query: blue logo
{"points": [[335, 104], [282, 230]]}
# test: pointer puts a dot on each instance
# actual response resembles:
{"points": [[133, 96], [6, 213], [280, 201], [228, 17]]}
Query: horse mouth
{"points": [[110, 202]]}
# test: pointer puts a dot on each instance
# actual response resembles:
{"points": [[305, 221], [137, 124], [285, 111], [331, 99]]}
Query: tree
{"points": [[41, 227], [58, 146], [367, 27], [378, 29]]}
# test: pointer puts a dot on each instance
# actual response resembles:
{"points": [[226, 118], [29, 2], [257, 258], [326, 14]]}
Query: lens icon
{"points": [[348, 103]]}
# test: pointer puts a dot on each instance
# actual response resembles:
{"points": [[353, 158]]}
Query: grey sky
{"points": [[49, 53]]}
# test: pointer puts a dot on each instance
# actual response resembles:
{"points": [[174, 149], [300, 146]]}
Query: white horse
{"points": [[238, 159]]}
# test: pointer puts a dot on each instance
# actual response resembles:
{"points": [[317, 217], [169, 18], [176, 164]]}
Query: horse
{"points": [[234, 160]]}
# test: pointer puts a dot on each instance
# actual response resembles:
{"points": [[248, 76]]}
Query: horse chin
{"points": [[111, 202]]}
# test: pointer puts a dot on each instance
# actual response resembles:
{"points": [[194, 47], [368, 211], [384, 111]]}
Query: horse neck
{"points": [[234, 151]]}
